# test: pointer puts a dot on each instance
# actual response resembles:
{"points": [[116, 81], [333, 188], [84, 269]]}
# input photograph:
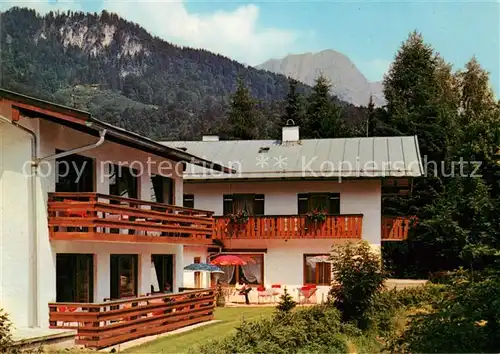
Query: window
{"points": [[123, 275], [252, 203], [163, 189], [252, 272], [307, 202], [162, 272], [74, 278], [317, 270], [188, 201], [124, 182], [74, 173]]}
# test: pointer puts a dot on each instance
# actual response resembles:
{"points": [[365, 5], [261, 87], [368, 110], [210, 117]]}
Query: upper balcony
{"points": [[290, 227], [299, 227], [98, 217]]}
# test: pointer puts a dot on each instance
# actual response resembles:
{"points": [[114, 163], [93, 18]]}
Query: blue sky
{"points": [[368, 32]]}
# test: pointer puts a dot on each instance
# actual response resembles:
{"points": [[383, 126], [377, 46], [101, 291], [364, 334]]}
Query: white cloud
{"points": [[236, 34]]}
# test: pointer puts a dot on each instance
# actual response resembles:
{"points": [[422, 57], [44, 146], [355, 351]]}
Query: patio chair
{"points": [[275, 291], [307, 292], [264, 293]]}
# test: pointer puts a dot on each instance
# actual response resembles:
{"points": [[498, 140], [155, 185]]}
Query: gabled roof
{"points": [[83, 121], [310, 158]]}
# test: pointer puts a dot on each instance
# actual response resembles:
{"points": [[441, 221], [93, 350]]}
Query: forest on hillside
{"points": [[121, 74]]}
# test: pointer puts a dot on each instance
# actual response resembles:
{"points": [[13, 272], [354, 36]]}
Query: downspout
{"points": [[33, 251], [102, 135]]}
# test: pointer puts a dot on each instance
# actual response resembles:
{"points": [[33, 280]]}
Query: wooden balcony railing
{"points": [[290, 227], [395, 228], [109, 323], [93, 216]]}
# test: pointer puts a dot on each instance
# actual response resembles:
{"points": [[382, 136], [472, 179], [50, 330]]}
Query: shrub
{"points": [[316, 329], [465, 319], [358, 276], [5, 335], [286, 304], [389, 306]]}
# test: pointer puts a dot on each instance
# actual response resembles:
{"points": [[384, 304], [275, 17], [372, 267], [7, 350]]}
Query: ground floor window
{"points": [[252, 272], [123, 275], [162, 272], [74, 278], [317, 270]]}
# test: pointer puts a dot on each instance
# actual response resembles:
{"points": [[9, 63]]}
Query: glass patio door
{"points": [[124, 269], [75, 278]]}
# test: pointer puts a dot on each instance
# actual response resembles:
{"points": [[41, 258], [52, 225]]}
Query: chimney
{"points": [[210, 138], [290, 132]]}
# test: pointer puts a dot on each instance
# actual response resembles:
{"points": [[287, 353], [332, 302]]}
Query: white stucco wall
{"points": [[356, 197], [16, 242]]}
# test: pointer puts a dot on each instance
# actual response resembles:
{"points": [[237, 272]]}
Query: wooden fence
{"points": [[101, 325]]}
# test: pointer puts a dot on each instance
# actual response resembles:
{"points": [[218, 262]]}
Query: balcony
{"points": [[396, 228], [100, 325], [98, 217], [290, 227]]}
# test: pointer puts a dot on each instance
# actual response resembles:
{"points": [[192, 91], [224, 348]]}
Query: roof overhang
{"points": [[84, 122]]}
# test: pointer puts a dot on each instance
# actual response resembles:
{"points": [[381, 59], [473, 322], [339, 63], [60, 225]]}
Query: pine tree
{"points": [[370, 118], [242, 114], [416, 105], [324, 117], [294, 105], [287, 303]]}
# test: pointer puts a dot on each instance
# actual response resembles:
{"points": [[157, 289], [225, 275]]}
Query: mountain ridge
{"points": [[348, 83], [144, 83]]}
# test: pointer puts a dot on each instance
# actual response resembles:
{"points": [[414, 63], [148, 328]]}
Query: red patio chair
{"points": [[262, 292], [275, 291], [307, 293]]}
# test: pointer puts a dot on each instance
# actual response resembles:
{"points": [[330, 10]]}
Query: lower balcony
{"points": [[98, 217], [290, 227], [100, 325]]}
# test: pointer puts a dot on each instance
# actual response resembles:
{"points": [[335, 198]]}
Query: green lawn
{"points": [[180, 343]]}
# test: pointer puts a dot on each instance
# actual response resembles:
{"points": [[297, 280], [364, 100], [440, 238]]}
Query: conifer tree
{"points": [[416, 106], [287, 303], [242, 114], [370, 118], [324, 117], [294, 105]]}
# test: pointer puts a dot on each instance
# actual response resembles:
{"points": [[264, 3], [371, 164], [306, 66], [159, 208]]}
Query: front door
{"points": [[74, 278]]}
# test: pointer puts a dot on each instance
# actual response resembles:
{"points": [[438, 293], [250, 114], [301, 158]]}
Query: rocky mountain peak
{"points": [[348, 83]]}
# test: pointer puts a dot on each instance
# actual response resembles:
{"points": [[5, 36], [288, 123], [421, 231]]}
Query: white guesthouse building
{"points": [[78, 228], [103, 223], [277, 183]]}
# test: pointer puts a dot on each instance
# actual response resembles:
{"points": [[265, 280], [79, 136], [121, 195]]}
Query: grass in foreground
{"points": [[180, 343]]}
